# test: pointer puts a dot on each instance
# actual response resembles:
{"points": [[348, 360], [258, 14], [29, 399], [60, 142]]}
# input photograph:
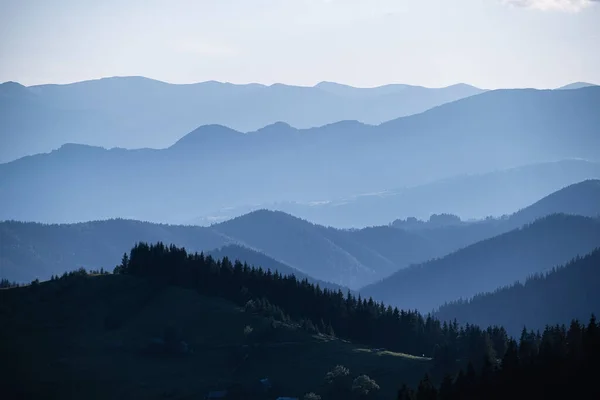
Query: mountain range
{"points": [[450, 233], [274, 240], [137, 112], [483, 255], [471, 196], [215, 167]]}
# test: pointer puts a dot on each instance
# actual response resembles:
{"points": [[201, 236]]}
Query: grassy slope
{"points": [[54, 343]]}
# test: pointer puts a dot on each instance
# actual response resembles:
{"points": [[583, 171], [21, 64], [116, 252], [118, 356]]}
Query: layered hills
{"points": [[136, 112], [215, 167]]}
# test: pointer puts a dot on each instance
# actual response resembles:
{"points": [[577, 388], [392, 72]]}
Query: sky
{"points": [[365, 43]]}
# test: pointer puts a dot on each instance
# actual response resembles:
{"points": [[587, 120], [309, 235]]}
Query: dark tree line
{"points": [[5, 284], [559, 363], [351, 317]]}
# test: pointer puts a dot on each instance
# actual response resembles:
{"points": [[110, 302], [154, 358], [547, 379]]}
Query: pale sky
{"points": [[487, 43]]}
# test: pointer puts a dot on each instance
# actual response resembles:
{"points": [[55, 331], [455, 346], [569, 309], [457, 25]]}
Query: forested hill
{"points": [[489, 264], [558, 362], [89, 336], [453, 348], [555, 297], [347, 316]]}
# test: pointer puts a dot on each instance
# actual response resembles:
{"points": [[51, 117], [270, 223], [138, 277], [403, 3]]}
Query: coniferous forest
{"points": [[475, 363], [345, 315], [558, 363]]}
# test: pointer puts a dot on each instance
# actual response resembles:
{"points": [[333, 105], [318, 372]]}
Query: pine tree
{"points": [[426, 390]]}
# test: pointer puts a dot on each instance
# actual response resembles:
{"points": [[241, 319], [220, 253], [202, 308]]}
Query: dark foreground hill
{"points": [[132, 335], [556, 297], [99, 337], [489, 264]]}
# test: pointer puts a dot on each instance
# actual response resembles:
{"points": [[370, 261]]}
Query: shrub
{"points": [[363, 385]]}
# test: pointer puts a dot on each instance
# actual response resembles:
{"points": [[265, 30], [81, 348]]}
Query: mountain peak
{"points": [[262, 216], [207, 133], [107, 81], [462, 85], [331, 84], [8, 84], [278, 127], [78, 150], [13, 88], [576, 85], [347, 125]]}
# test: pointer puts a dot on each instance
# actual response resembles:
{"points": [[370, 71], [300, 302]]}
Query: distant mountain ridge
{"points": [[345, 257], [282, 163], [472, 196], [134, 112], [580, 199], [576, 85]]}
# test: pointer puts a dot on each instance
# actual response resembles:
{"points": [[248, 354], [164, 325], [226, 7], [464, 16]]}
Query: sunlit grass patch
{"points": [[391, 353]]}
